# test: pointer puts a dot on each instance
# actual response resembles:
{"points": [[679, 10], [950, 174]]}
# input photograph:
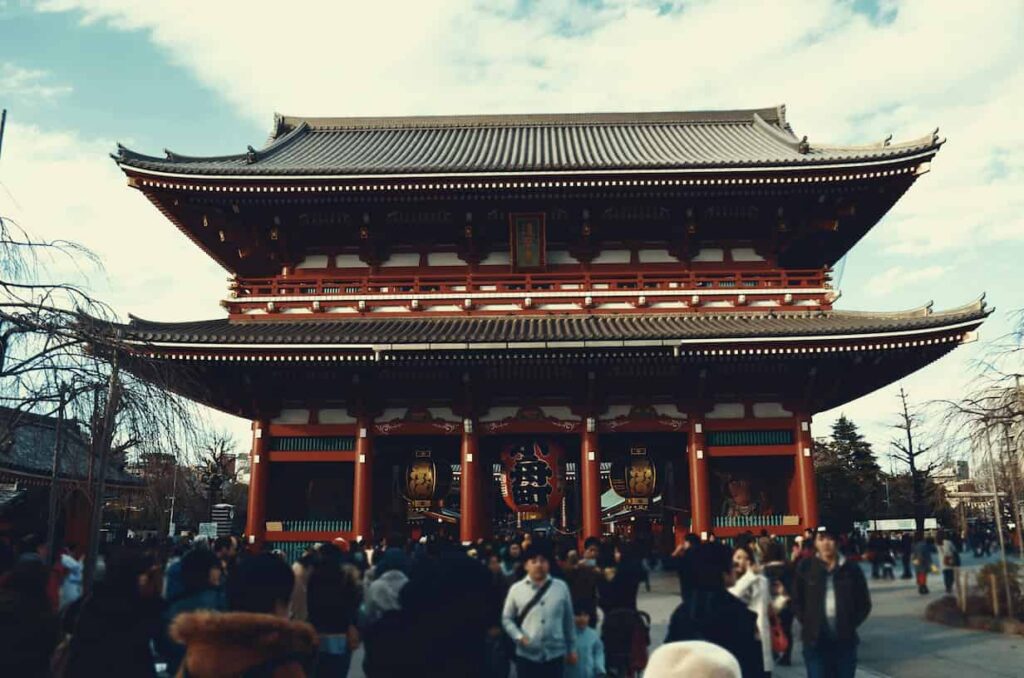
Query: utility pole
{"points": [[101, 442], [3, 124], [999, 523], [174, 494], [58, 453]]}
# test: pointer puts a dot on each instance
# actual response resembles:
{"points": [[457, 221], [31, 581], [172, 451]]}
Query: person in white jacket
{"points": [[753, 588]]}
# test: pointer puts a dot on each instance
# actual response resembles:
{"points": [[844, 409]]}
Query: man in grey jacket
{"points": [[538, 617]]}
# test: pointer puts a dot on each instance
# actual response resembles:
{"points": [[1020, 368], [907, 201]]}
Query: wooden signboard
{"points": [[527, 238]]}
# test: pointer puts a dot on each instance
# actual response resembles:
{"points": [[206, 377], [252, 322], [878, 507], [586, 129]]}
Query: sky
{"points": [[205, 78]]}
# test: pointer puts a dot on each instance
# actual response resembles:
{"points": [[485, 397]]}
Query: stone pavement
{"points": [[896, 640]]}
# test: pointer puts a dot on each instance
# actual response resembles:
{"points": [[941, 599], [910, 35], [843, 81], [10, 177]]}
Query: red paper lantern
{"points": [[532, 480]]}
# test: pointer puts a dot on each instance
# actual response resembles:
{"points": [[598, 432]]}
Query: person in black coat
{"points": [[29, 629], [441, 628], [118, 620], [712, 614], [831, 599]]}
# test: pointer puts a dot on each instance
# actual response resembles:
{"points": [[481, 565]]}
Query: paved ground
{"points": [[895, 641]]}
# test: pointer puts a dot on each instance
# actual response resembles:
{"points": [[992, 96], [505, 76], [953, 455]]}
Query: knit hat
{"points": [[692, 658]]}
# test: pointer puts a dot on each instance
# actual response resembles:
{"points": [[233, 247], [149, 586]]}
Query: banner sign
{"points": [[527, 238]]}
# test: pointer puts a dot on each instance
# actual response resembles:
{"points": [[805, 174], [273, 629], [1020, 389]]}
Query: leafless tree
{"points": [[919, 455], [57, 346]]}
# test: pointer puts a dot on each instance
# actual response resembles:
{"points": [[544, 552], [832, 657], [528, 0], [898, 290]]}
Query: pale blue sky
{"points": [[205, 78]]}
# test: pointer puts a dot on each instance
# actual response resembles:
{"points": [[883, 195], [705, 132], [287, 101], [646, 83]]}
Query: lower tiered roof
{"points": [[540, 331]]}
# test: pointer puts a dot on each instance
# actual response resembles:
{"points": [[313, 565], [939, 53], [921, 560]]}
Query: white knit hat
{"points": [[692, 659]]}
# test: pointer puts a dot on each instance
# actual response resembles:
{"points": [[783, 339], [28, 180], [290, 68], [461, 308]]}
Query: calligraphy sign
{"points": [[531, 477], [527, 237]]}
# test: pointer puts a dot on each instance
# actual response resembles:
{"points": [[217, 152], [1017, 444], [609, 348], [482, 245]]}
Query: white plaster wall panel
{"points": [[497, 259], [403, 259], [444, 259], [349, 261], [499, 413], [710, 254], [291, 416], [443, 413], [726, 411], [669, 410], [770, 411], [612, 257], [746, 254], [562, 412], [656, 257], [335, 416], [556, 257], [392, 413], [616, 411], [314, 261]]}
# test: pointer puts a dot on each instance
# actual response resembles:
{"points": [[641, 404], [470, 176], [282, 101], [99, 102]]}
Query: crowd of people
{"points": [[431, 606]]}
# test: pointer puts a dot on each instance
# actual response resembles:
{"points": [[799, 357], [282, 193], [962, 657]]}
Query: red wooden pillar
{"points": [[471, 524], [590, 481], [362, 495], [805, 472], [700, 496], [259, 477]]}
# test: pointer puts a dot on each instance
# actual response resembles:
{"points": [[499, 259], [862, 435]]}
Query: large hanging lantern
{"points": [[532, 481], [425, 481], [635, 478]]}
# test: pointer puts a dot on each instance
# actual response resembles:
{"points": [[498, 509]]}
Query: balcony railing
{"points": [[521, 284]]}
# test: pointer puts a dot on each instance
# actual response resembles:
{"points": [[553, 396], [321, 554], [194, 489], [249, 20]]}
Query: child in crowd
{"points": [[589, 648], [888, 564]]}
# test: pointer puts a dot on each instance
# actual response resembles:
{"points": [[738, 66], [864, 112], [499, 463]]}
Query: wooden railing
{"points": [[518, 284]]}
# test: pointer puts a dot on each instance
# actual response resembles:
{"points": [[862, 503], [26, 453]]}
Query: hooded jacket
{"points": [[240, 644]]}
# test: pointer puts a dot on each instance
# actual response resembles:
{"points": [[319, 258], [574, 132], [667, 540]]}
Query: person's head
{"points": [[261, 584], [591, 547], [515, 551], [582, 611], [825, 544], [572, 559], [742, 559], [393, 559], [494, 564], [130, 573], [538, 563], [29, 577], [222, 548], [690, 540], [200, 570], [712, 566]]}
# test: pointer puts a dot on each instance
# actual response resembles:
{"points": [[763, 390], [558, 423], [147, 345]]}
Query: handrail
{"points": [[521, 283]]}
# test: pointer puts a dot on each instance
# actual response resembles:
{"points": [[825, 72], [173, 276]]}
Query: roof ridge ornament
{"points": [[803, 147], [251, 155]]}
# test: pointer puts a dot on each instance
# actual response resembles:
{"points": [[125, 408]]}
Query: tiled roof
{"points": [[495, 144], [695, 326], [31, 448]]}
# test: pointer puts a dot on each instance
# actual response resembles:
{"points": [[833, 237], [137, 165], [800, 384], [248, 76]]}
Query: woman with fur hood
{"points": [[255, 638]]}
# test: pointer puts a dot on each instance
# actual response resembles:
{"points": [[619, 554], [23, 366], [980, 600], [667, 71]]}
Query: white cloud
{"points": [[844, 77], [900, 277], [59, 185], [17, 82]]}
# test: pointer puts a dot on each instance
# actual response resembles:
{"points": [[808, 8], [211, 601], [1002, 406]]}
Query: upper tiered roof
{"points": [[539, 143]]}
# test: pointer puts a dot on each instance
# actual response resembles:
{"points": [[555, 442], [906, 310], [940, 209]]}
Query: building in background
{"points": [[537, 294], [26, 470]]}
